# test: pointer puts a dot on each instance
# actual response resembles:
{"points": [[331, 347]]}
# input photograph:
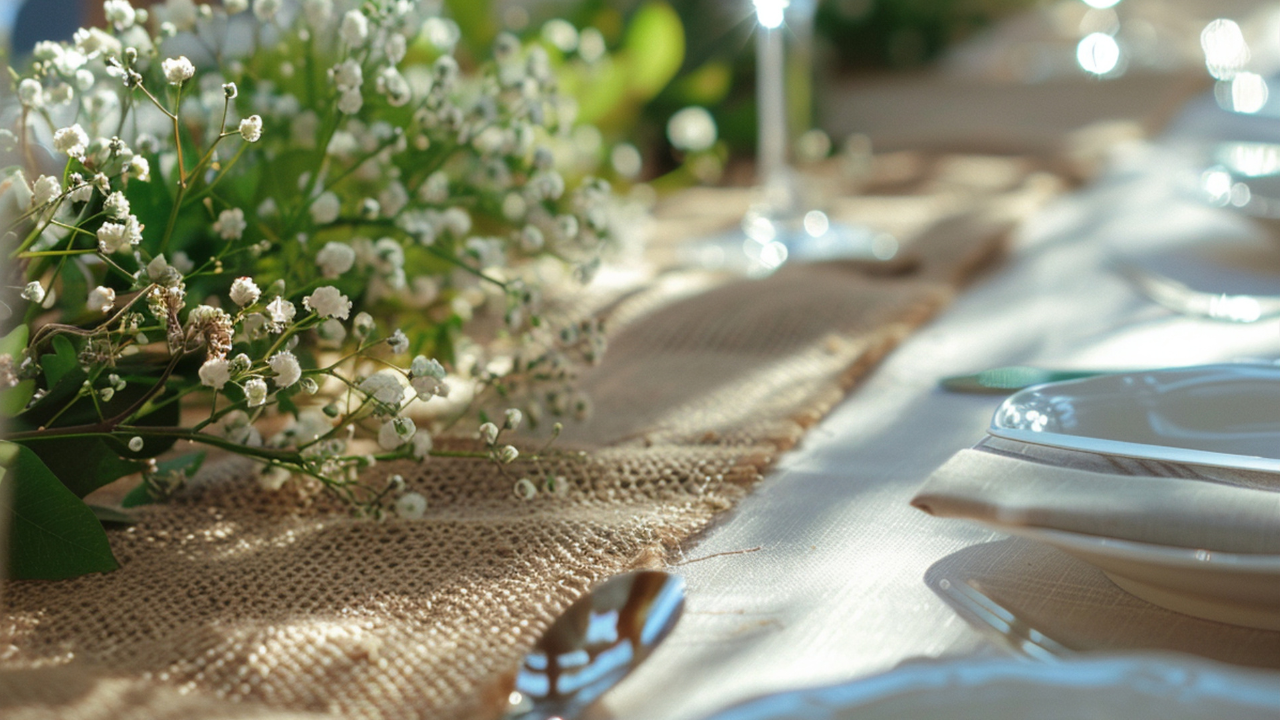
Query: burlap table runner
{"points": [[236, 602]]}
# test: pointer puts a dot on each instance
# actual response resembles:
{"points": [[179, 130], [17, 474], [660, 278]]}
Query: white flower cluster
{"points": [[426, 198]]}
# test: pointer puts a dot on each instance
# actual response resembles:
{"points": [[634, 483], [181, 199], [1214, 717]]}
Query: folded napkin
{"points": [[1182, 507]]}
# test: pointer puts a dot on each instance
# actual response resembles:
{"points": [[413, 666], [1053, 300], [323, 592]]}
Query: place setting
{"points": [[572, 360]]}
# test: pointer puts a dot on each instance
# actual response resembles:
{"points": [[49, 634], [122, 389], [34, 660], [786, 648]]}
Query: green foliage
{"points": [[53, 535], [654, 48], [147, 493]]}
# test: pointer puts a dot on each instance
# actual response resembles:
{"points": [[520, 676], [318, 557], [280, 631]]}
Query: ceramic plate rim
{"points": [[1147, 553], [1125, 448], [968, 675]]}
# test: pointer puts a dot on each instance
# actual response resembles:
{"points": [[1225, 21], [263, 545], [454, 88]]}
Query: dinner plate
{"points": [[1134, 687], [1217, 415], [1235, 588]]}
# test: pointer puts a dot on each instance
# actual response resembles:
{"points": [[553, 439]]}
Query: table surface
{"points": [[825, 572]]}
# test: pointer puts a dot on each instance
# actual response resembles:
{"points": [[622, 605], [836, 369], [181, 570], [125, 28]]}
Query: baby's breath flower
{"points": [[335, 258], [139, 168], [255, 391], [348, 75], [508, 454], [351, 101], [393, 85], [318, 12], [272, 478], [160, 272], [363, 325], [34, 292], [44, 190], [230, 224], [119, 13], [251, 128], [513, 419], [177, 70], [31, 93], [411, 506], [525, 489], [399, 342], [325, 209], [355, 28], [421, 443], [115, 237], [384, 387], [395, 433], [71, 140], [396, 48], [135, 443], [230, 91], [286, 367], [281, 313], [244, 291], [332, 333], [215, 373], [101, 299], [423, 366], [329, 302], [266, 9], [116, 205], [488, 433]]}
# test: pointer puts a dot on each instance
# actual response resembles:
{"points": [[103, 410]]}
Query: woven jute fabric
{"points": [[236, 602]]}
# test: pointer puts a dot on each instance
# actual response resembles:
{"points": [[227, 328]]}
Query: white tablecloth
{"points": [[839, 585]]}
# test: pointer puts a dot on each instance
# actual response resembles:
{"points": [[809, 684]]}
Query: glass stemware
{"points": [[780, 227]]}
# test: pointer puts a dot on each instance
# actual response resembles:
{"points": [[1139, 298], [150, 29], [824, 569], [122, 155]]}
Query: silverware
{"points": [[1013, 631], [1185, 300], [596, 643]]}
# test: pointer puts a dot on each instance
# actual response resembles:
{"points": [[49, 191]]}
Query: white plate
{"points": [[1233, 588], [1146, 687], [1218, 415]]}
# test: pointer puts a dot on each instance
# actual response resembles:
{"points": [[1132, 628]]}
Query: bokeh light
{"points": [[1098, 53]]}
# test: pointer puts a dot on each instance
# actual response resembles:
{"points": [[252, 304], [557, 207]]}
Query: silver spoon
{"points": [[596, 643]]}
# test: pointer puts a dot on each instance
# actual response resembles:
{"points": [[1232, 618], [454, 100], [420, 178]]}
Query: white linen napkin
{"points": [[1178, 511]]}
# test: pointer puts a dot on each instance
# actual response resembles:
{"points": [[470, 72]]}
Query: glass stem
{"points": [[771, 104]]}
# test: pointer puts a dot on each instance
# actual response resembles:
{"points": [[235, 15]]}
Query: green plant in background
{"points": [[279, 236], [904, 33]]}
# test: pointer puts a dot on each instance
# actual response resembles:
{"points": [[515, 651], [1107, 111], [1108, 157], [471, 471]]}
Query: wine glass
{"points": [[780, 227]]}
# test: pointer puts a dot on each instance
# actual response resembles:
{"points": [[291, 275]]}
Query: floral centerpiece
{"points": [[275, 230]]}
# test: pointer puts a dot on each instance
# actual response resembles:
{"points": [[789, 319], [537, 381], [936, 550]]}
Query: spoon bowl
{"points": [[596, 643]]}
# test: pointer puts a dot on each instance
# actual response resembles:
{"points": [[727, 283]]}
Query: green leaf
{"points": [[604, 92], [61, 362], [138, 497], [15, 399], [82, 464], [15, 342], [53, 535], [654, 47], [188, 464], [475, 19], [708, 85], [112, 516]]}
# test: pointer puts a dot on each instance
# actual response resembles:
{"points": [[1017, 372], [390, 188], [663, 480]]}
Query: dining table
{"points": [[810, 395], [826, 573]]}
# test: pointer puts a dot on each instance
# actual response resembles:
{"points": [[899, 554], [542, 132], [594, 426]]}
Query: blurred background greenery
{"points": [[667, 55], [634, 65]]}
